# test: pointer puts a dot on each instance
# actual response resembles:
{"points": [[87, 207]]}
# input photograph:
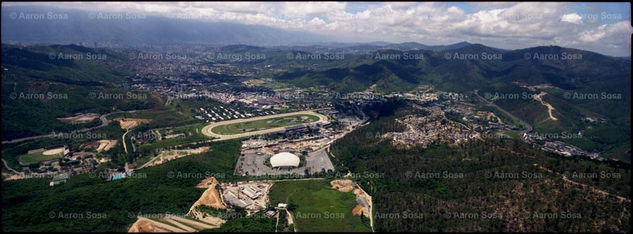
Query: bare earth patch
{"points": [[211, 196], [148, 225], [169, 155], [79, 119], [207, 182], [54, 151], [360, 210], [342, 185], [128, 123], [194, 221], [362, 198], [105, 145], [142, 226]]}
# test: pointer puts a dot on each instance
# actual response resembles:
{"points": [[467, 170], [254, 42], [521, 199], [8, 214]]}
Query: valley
{"points": [[299, 117]]}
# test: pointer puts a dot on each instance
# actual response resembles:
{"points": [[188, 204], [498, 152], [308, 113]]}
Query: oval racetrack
{"points": [[207, 129]]}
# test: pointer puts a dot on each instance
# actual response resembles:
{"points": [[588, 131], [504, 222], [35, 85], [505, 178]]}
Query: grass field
{"points": [[263, 124], [319, 208], [38, 157], [192, 132]]}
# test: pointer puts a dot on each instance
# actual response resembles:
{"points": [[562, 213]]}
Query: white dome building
{"points": [[284, 160]]}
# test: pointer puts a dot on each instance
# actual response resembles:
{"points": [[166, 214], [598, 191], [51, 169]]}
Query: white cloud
{"points": [[504, 25], [571, 18], [610, 31], [308, 9], [593, 35]]}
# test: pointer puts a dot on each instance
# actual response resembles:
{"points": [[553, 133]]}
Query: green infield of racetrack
{"points": [[263, 124]]}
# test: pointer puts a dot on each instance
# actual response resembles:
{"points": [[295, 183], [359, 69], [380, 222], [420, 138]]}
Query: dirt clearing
{"points": [[105, 145], [166, 156], [79, 119], [53, 151], [342, 185], [211, 196], [128, 123], [148, 225], [363, 199], [360, 210]]}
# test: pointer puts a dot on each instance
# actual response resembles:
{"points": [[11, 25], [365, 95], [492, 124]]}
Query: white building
{"points": [[284, 160], [251, 193]]}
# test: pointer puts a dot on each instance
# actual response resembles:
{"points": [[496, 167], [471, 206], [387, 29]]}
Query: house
{"points": [[270, 213]]}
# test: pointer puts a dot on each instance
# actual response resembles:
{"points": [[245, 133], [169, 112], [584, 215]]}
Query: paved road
{"points": [[207, 129], [7, 166], [104, 122]]}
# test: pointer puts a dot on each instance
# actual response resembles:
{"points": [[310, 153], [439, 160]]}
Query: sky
{"points": [[601, 27]]}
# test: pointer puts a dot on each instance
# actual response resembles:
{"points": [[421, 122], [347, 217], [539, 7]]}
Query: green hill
{"points": [[485, 186], [477, 67], [43, 83]]}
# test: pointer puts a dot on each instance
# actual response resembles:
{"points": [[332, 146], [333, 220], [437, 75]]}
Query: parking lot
{"points": [[252, 162]]}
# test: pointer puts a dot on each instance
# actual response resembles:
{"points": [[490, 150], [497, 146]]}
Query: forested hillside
{"points": [[491, 185]]}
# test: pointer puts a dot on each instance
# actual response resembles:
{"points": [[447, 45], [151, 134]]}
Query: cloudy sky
{"points": [[601, 27]]}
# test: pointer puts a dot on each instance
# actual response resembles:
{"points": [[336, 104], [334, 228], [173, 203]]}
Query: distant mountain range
{"points": [[450, 68], [45, 25], [65, 26], [373, 46]]}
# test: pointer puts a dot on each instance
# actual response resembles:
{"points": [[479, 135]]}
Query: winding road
{"points": [[550, 108], [104, 122]]}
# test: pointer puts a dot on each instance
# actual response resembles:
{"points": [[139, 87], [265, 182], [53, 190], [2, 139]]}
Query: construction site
{"points": [[252, 196]]}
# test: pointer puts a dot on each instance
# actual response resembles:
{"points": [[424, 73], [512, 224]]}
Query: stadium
{"points": [[284, 160]]}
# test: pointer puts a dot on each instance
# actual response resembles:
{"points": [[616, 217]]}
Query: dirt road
{"points": [[123, 140], [550, 108]]}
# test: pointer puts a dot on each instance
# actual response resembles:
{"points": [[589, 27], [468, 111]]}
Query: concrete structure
{"points": [[284, 160], [251, 193], [59, 179], [233, 199]]}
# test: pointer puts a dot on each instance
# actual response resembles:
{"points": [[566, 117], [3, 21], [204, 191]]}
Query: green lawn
{"points": [[263, 124], [192, 133], [38, 157], [513, 133], [319, 208]]}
